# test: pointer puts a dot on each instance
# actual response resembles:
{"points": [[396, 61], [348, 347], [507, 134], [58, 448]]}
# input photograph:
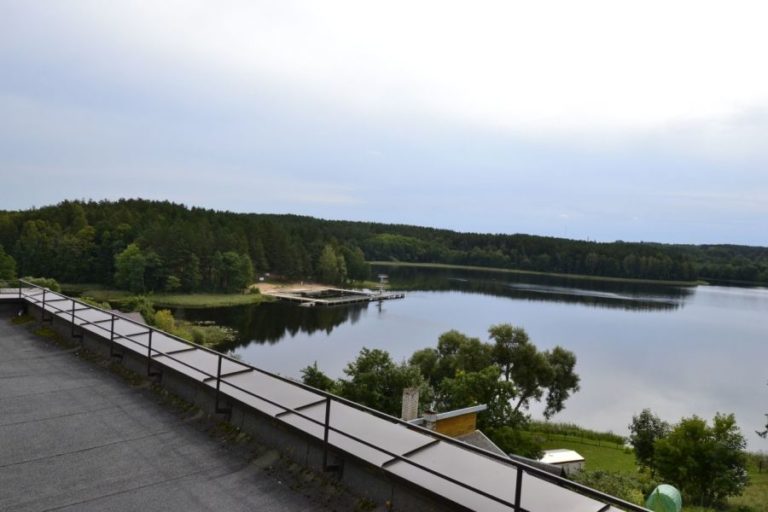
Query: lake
{"points": [[678, 350]]}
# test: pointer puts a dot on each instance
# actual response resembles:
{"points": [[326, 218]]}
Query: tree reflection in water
{"points": [[272, 322]]}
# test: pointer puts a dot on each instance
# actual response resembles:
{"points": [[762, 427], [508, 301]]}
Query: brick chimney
{"points": [[410, 409]]}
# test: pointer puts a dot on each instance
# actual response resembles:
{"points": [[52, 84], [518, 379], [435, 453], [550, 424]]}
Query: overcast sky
{"points": [[599, 120]]}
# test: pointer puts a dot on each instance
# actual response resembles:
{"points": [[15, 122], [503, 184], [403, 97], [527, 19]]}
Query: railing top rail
{"points": [[519, 465]]}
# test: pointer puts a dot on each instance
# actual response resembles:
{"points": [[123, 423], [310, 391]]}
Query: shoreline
{"points": [[169, 300], [201, 300], [580, 277]]}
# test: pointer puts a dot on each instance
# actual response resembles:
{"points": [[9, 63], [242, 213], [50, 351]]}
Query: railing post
{"points": [[325, 433], [218, 383], [518, 489], [19, 288], [149, 353], [72, 331], [42, 309], [112, 343]]}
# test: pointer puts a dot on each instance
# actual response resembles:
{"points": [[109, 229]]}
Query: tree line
{"points": [[173, 247]]}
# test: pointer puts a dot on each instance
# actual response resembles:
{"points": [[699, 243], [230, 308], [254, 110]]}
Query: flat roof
{"points": [[75, 436], [457, 412], [427, 460], [561, 456]]}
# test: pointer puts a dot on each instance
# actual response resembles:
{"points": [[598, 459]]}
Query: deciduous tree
{"points": [[376, 381], [707, 464], [534, 373], [645, 429], [313, 376], [130, 266], [481, 387], [357, 268], [7, 266], [331, 267]]}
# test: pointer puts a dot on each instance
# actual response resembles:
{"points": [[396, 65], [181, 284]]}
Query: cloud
{"points": [[734, 138], [551, 66], [644, 122]]}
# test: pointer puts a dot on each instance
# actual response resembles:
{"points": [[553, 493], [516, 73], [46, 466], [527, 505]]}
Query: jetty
{"points": [[333, 296]]}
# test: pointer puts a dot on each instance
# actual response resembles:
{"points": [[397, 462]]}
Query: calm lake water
{"points": [[679, 351]]}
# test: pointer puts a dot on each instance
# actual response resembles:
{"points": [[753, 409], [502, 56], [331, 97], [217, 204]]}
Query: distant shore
{"points": [[583, 277], [204, 300]]}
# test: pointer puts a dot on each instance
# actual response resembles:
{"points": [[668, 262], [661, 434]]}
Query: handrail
{"points": [[521, 467]]}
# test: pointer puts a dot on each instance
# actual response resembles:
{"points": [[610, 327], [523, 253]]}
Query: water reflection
{"points": [[606, 294], [679, 351], [272, 322]]}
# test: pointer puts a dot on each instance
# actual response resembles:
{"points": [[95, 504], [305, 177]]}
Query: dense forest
{"points": [[152, 245]]}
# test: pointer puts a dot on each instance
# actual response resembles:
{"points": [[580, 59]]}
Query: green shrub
{"points": [[93, 302], [45, 282], [164, 321], [628, 487], [517, 441], [198, 335], [569, 429], [142, 304]]}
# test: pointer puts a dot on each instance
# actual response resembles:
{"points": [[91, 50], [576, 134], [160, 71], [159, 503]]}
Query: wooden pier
{"points": [[334, 296]]}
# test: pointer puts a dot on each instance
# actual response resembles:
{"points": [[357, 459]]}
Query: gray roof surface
{"points": [[73, 436], [484, 473], [480, 440]]}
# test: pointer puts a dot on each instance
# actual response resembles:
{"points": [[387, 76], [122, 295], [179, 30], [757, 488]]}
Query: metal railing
{"points": [[327, 398]]}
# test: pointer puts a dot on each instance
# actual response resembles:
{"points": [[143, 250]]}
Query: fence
{"points": [[155, 345]]}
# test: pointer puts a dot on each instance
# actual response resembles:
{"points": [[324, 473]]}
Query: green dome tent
{"points": [[664, 498]]}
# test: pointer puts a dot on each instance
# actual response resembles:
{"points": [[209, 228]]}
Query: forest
{"points": [[145, 245]]}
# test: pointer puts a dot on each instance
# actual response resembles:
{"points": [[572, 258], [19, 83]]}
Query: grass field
{"points": [[611, 458], [606, 458], [756, 495], [166, 300], [206, 300]]}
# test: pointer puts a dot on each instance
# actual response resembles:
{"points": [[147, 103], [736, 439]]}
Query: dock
{"points": [[334, 296]]}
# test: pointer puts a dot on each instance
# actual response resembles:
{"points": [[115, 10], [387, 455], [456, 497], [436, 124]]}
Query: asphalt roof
{"points": [[75, 436], [438, 465]]}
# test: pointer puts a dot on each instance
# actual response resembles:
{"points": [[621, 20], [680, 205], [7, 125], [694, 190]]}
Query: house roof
{"points": [[480, 440], [452, 414], [561, 456]]}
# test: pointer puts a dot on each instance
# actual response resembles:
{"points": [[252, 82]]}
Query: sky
{"points": [[601, 120]]}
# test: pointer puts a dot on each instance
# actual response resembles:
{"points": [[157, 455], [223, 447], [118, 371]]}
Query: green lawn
{"points": [[756, 495], [168, 300], [606, 458], [206, 300], [610, 458]]}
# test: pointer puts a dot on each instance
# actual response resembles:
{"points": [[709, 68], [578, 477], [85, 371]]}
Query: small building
{"points": [[570, 460], [454, 423], [460, 424]]}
